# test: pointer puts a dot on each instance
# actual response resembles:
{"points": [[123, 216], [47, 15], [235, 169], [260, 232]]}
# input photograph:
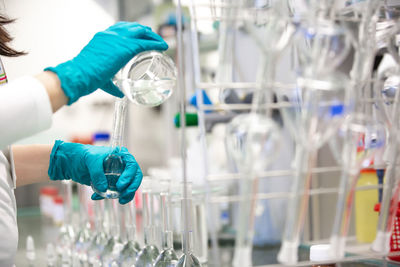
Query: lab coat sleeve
{"points": [[25, 110]]}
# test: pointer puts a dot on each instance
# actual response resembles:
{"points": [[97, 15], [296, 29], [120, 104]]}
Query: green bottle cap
{"points": [[191, 120]]}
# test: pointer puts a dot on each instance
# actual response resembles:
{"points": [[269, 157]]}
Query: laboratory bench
{"points": [[43, 231]]}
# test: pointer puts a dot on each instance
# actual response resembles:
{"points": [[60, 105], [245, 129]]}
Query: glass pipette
{"points": [[113, 164], [149, 252], [131, 247], [167, 257]]}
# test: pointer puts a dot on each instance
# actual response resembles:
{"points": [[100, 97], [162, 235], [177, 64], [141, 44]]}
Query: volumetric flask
{"points": [[148, 79]]}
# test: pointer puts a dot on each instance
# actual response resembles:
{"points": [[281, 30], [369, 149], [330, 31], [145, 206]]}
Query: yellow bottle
{"points": [[365, 200]]}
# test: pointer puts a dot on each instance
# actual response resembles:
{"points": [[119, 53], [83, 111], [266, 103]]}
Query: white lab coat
{"points": [[24, 110]]}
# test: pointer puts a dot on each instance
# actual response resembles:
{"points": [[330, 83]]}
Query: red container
{"points": [[395, 237]]}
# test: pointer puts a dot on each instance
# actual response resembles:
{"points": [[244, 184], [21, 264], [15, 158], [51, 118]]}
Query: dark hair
{"points": [[5, 38]]}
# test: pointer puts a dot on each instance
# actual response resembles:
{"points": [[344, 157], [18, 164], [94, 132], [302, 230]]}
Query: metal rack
{"points": [[234, 14]]}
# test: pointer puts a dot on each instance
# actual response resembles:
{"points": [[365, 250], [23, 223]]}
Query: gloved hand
{"points": [[84, 164], [103, 57]]}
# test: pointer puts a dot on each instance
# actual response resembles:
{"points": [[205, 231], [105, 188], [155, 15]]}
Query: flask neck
{"points": [[118, 124]]}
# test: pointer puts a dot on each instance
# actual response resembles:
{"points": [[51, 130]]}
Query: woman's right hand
{"points": [[103, 57]]}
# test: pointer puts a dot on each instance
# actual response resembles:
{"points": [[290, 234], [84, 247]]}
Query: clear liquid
{"points": [[147, 256], [113, 166], [150, 92]]}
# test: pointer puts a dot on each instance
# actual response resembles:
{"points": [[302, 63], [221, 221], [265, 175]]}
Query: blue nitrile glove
{"points": [[103, 57], [84, 164]]}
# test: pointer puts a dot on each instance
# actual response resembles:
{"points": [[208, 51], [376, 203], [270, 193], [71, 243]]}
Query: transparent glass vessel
{"points": [[188, 259], [148, 79], [113, 164], [83, 237], [131, 247], [66, 236], [149, 252], [114, 239], [99, 240], [167, 257]]}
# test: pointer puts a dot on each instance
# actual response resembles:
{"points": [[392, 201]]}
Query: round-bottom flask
{"points": [[113, 166]]}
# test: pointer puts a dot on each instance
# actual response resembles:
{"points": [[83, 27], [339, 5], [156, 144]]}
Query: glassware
{"points": [[66, 236], [318, 108], [148, 79], [363, 137], [322, 46], [113, 164], [167, 257], [188, 259], [99, 239], [251, 139], [83, 238], [30, 251], [114, 239], [226, 41], [390, 187], [51, 257], [149, 252], [131, 247], [200, 224]]}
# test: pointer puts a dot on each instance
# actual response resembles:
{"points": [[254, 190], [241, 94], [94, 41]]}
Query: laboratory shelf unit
{"points": [[310, 109]]}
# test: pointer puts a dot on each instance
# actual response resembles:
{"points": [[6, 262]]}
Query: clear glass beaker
{"points": [[148, 79]]}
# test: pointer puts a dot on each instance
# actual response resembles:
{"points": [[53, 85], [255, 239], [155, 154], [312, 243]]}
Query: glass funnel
{"points": [[389, 111], [251, 140], [113, 164], [316, 109], [149, 252], [322, 46], [148, 79], [363, 136]]}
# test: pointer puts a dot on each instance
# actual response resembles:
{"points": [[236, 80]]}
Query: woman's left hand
{"points": [[84, 164]]}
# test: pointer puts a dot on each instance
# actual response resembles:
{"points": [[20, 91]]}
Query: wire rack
{"points": [[233, 15]]}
